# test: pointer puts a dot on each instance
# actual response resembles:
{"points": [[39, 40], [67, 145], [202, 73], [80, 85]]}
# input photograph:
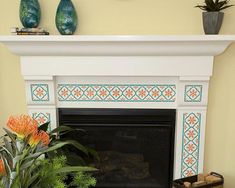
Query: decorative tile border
{"points": [[190, 144], [39, 92], [42, 118], [116, 93], [193, 93]]}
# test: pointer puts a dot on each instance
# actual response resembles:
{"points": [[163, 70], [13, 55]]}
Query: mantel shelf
{"points": [[118, 45]]}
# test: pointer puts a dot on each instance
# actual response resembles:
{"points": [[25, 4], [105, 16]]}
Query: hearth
{"points": [[135, 146]]}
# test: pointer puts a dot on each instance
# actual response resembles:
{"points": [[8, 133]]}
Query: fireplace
{"points": [[135, 146], [124, 72]]}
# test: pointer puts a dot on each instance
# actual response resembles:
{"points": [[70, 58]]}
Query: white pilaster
{"points": [[40, 97]]}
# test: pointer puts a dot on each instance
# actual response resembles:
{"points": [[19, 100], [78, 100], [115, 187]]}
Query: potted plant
{"points": [[26, 159], [212, 15]]}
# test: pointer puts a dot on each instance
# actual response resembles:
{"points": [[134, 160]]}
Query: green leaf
{"points": [[44, 127], [55, 147], [15, 183], [75, 169], [220, 5], [35, 155], [78, 146], [7, 151], [93, 153], [214, 5], [7, 166], [32, 180], [202, 7], [15, 160], [61, 129], [210, 4], [60, 144], [74, 160], [8, 145], [26, 165], [64, 130], [225, 7], [20, 145], [11, 136]]}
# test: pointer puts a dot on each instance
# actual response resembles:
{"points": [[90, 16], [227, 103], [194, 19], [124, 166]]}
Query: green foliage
{"points": [[48, 177], [84, 180], [53, 173], [72, 157], [214, 5], [25, 165]]}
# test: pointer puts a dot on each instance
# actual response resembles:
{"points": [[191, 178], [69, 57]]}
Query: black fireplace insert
{"points": [[135, 146]]}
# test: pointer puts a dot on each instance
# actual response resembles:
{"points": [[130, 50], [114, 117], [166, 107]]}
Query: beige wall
{"points": [[138, 17]]}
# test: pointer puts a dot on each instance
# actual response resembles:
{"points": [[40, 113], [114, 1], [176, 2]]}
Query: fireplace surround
{"points": [[124, 72]]}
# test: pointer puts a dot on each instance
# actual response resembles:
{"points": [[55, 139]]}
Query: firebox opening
{"points": [[135, 146]]}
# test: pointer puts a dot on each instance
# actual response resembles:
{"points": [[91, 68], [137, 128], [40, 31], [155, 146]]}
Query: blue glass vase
{"points": [[66, 18], [30, 13]]}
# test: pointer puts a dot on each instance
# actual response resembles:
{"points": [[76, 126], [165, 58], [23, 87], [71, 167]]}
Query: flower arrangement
{"points": [[26, 159]]}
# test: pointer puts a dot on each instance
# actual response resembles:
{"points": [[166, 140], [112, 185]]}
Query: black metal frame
{"points": [[157, 117]]}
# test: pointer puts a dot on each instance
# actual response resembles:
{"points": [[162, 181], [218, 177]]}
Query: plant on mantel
{"points": [[214, 5], [213, 17], [29, 158]]}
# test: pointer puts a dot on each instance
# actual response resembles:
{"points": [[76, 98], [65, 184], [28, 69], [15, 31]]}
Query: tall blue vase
{"points": [[30, 13], [66, 18]]}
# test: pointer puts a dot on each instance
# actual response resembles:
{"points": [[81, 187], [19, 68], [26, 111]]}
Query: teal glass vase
{"points": [[30, 13], [66, 18]]}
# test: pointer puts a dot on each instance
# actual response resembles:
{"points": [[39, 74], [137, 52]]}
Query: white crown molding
{"points": [[124, 45]]}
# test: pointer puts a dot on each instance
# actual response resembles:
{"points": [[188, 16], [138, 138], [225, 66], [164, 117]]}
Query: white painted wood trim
{"points": [[38, 78], [124, 45], [183, 66]]}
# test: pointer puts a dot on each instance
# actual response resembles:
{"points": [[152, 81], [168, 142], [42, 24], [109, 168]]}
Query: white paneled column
{"points": [[191, 122], [40, 96]]}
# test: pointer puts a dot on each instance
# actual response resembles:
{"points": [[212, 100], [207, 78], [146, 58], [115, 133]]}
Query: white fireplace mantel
{"points": [[118, 45], [155, 72]]}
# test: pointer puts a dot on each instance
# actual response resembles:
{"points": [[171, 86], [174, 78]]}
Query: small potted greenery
{"points": [[212, 15]]}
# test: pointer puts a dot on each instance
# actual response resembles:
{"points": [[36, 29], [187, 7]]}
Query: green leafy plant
{"points": [[59, 135], [84, 180], [214, 5], [26, 160]]}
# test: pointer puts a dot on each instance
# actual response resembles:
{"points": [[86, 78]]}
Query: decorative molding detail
{"points": [[190, 144], [42, 118], [193, 93], [116, 93], [116, 45], [39, 92]]}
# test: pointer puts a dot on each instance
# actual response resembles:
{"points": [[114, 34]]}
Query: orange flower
{"points": [[22, 125], [38, 137], [2, 168]]}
